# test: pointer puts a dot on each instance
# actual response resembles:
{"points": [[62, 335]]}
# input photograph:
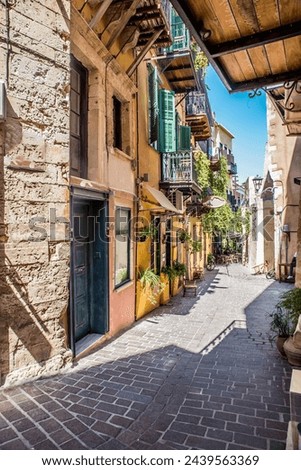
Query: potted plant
{"points": [[170, 272], [148, 231], [291, 302], [179, 270], [196, 246], [282, 327], [184, 236], [149, 289]]}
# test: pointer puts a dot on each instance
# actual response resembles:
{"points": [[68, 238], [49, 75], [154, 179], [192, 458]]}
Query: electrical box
{"points": [[2, 101]]}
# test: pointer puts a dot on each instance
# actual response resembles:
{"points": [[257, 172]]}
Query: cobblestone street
{"points": [[198, 373]]}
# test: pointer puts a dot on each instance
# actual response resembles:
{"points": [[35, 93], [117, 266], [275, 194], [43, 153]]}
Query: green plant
{"points": [[210, 258], [291, 301], [184, 236], [151, 281], [281, 323], [202, 167], [170, 272], [147, 231], [121, 275], [200, 60], [179, 268], [195, 246]]}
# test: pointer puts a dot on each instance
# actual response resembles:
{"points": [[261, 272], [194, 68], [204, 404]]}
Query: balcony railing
{"points": [[178, 167], [195, 103], [180, 34], [232, 168]]}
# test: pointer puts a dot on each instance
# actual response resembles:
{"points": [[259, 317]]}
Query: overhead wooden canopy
{"points": [[250, 43]]}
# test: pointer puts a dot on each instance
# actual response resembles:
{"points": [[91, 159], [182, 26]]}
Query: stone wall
{"points": [[283, 161], [34, 195]]}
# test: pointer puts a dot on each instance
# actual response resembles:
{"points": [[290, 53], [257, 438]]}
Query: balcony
{"points": [[178, 173], [197, 115], [177, 60], [232, 168], [150, 16], [123, 25]]}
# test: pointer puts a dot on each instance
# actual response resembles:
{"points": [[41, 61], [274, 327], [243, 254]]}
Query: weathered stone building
{"points": [[279, 193], [34, 194], [68, 148]]}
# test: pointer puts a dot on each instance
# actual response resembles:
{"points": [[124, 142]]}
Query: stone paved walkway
{"points": [[199, 373]]}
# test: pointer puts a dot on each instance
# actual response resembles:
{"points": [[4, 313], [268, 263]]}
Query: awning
{"points": [[213, 202], [156, 197]]}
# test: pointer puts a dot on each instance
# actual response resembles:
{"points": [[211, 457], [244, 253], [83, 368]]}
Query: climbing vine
{"points": [[203, 171], [223, 219], [200, 59], [219, 179]]}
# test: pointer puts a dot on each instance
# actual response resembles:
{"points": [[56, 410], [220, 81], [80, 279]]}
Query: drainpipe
{"points": [[138, 190]]}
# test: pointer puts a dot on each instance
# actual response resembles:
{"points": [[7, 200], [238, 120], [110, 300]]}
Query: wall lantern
{"points": [[257, 181]]}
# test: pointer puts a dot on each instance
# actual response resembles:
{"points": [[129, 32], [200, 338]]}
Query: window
{"points": [[167, 121], [156, 246], [78, 119], [117, 123], [153, 103], [122, 246]]}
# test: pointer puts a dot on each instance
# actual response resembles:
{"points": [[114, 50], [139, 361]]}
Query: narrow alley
{"points": [[197, 373]]}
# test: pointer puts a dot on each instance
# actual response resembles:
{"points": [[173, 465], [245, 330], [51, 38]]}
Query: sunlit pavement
{"points": [[198, 373]]}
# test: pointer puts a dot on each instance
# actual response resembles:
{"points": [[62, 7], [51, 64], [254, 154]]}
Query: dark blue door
{"points": [[81, 280], [89, 268]]}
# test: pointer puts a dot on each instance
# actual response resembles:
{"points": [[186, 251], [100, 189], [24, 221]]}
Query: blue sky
{"points": [[245, 118]]}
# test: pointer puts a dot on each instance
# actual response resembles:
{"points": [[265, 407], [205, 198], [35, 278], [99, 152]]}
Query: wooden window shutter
{"points": [[167, 119], [178, 120], [153, 104], [180, 33], [184, 138]]}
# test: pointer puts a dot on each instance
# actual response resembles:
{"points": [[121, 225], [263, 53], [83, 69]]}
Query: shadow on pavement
{"points": [[141, 392]]}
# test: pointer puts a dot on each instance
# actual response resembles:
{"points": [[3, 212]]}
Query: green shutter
{"points": [[180, 33], [184, 138], [153, 104], [167, 119], [178, 120]]}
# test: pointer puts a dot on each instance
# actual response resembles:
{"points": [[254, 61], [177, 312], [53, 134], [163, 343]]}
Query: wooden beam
{"points": [[132, 43], [175, 68], [255, 40], [93, 3], [121, 24], [144, 51], [261, 82], [147, 9], [146, 17], [183, 79], [100, 12]]}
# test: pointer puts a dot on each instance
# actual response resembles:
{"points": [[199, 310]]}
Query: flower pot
{"points": [[145, 303], [164, 296], [293, 354], [280, 340]]}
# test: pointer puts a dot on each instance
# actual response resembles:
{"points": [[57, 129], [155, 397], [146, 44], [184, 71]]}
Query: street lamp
{"points": [[257, 181]]}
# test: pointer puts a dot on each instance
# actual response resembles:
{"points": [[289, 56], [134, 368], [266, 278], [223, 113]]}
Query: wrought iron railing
{"points": [[178, 167], [232, 168], [195, 103]]}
